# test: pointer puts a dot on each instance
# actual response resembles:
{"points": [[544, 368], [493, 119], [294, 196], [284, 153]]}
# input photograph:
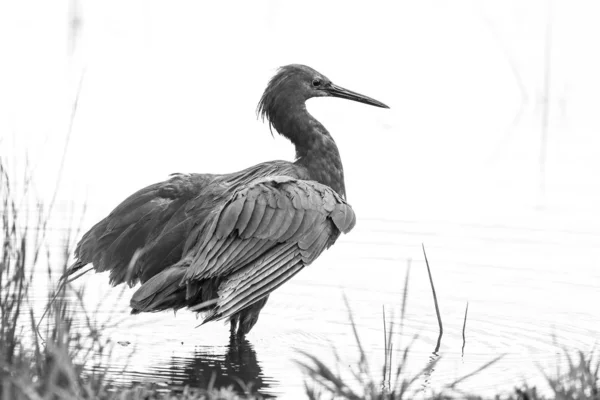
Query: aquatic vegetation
{"points": [[39, 363], [581, 381], [55, 358], [45, 356], [395, 382]]}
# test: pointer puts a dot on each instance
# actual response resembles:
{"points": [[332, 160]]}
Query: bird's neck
{"points": [[315, 148]]}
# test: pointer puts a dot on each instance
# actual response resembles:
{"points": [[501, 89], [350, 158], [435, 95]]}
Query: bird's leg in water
{"points": [[233, 325], [248, 317]]}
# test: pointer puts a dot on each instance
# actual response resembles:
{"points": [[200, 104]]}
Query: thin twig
{"points": [[463, 330], [57, 185], [385, 347], [405, 295], [390, 347], [364, 364], [437, 308]]}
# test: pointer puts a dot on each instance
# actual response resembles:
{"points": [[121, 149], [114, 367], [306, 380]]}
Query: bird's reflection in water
{"points": [[237, 365]]}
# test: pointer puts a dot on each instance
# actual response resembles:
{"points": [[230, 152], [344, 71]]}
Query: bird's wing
{"points": [[263, 235], [153, 220]]}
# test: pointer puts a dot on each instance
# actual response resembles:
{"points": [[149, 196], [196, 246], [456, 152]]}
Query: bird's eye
{"points": [[316, 82]]}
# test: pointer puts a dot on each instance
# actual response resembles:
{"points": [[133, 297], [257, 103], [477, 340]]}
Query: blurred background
{"points": [[488, 156]]}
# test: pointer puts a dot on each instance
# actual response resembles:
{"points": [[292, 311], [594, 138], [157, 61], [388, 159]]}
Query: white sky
{"points": [[173, 87]]}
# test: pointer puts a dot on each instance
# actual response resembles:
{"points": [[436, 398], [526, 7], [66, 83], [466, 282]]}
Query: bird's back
{"points": [[155, 222]]}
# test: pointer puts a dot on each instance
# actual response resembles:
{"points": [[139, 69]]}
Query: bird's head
{"points": [[295, 83]]}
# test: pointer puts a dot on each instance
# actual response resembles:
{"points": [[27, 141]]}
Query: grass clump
{"points": [[46, 356], [581, 381], [394, 384], [34, 363]]}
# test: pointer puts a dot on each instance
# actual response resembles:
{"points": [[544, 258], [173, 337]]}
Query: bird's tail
{"points": [[161, 292]]}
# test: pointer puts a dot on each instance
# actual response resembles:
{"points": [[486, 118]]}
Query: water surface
{"points": [[530, 288]]}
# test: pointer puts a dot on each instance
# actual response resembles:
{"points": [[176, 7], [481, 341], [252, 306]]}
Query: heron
{"points": [[219, 244]]}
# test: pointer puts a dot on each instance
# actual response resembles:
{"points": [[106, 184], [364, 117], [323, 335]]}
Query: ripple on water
{"points": [[528, 288]]}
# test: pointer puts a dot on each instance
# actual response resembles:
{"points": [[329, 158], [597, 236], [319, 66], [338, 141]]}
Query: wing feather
{"points": [[294, 225], [229, 248], [110, 242], [248, 232], [272, 210], [229, 217], [162, 252], [257, 215], [269, 259], [262, 229], [135, 215], [309, 238], [275, 227], [343, 217], [275, 279], [307, 226], [317, 247], [266, 230], [289, 216], [251, 254], [232, 258], [136, 223], [134, 238], [246, 214], [252, 275]]}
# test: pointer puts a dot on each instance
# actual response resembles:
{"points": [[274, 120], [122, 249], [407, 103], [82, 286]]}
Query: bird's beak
{"points": [[338, 91]]}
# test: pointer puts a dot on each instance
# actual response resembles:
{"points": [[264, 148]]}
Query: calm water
{"points": [[530, 283], [454, 165]]}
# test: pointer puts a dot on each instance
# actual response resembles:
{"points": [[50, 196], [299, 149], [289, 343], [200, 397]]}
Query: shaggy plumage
{"points": [[221, 244]]}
